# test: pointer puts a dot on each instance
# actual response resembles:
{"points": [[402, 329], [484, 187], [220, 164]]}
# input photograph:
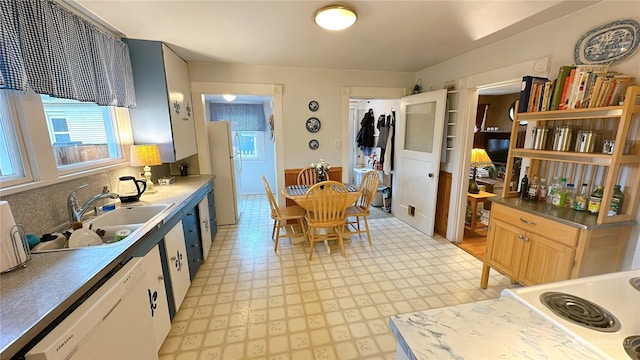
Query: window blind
{"points": [[55, 52]]}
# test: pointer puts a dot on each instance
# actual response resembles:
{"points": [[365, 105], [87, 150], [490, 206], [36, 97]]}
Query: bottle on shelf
{"points": [[560, 194], [582, 199], [617, 200], [571, 195], [542, 190], [551, 190], [595, 200], [534, 185], [524, 185]]}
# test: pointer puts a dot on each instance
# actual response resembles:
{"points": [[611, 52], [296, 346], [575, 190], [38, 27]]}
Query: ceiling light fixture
{"points": [[229, 97], [335, 17]]}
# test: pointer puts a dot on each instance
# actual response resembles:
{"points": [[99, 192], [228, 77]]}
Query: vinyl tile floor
{"points": [[248, 302]]}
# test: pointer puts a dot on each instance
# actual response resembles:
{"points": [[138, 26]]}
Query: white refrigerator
{"points": [[226, 166]]}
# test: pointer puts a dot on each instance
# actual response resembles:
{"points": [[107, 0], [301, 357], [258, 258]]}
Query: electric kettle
{"points": [[130, 189]]}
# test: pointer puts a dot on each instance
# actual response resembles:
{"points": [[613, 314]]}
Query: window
{"points": [[252, 144], [80, 132], [12, 169]]}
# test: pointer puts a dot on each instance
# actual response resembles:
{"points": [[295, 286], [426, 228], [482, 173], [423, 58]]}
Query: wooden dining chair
{"points": [[325, 204], [360, 210], [281, 216], [308, 176]]}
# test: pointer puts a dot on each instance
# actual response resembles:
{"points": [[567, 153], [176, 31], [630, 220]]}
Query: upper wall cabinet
{"points": [[164, 110]]}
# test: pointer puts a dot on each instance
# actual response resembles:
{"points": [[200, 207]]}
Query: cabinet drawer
{"points": [[553, 230]]}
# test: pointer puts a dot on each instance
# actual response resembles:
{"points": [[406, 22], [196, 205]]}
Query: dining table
{"points": [[298, 194]]}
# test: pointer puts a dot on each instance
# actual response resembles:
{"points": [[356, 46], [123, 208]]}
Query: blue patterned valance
{"points": [[55, 52], [247, 117]]}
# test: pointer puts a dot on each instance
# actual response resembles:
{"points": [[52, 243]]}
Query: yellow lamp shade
{"points": [[145, 155], [479, 158]]}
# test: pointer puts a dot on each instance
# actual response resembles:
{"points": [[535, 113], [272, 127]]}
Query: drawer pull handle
{"points": [[528, 222], [523, 238]]}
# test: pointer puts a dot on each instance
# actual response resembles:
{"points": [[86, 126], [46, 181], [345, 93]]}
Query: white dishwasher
{"points": [[112, 323]]}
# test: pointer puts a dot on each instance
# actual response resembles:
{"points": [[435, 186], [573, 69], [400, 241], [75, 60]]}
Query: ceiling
{"points": [[388, 36]]}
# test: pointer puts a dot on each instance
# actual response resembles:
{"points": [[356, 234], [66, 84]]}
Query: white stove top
{"points": [[613, 292]]}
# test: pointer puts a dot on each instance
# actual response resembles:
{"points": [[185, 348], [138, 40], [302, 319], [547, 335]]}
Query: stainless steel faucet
{"points": [[76, 211]]}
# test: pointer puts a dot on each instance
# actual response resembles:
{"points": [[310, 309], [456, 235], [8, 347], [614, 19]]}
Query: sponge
{"points": [[32, 240]]}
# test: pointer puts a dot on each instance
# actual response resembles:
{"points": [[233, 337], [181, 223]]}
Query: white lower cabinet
{"points": [[176, 251], [156, 294], [205, 226]]}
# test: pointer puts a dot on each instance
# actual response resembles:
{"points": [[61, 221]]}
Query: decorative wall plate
{"points": [[314, 144], [313, 105], [608, 44], [313, 124]]}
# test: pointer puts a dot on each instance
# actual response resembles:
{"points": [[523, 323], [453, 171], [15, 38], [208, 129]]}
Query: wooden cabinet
{"points": [[532, 247], [164, 109], [534, 242], [158, 306], [176, 257]]}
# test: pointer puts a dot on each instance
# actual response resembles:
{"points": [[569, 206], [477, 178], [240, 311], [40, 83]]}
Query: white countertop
{"points": [[502, 328], [34, 296]]}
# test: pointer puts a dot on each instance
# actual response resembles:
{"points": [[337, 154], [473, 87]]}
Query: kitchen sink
{"points": [[129, 219], [126, 216]]}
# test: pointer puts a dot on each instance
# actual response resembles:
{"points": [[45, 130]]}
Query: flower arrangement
{"points": [[321, 168]]}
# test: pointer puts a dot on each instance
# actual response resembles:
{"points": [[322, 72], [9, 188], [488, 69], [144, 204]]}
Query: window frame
{"points": [[37, 151]]}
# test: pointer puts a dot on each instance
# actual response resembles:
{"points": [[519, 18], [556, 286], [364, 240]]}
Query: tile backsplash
{"points": [[44, 210]]}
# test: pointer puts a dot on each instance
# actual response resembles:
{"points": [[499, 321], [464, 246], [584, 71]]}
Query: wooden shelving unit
{"points": [[619, 123]]}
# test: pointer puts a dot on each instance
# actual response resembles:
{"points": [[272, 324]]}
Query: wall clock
{"points": [[313, 124], [314, 144], [313, 105], [608, 44]]}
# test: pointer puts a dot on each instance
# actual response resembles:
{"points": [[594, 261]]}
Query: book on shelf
{"points": [[545, 101], [563, 74], [527, 95], [566, 89], [621, 83], [581, 80]]}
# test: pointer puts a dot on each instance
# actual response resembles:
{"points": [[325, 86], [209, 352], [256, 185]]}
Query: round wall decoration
{"points": [[313, 125], [313, 105], [608, 44], [314, 144]]}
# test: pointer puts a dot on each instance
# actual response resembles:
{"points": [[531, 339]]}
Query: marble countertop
{"points": [[34, 296], [501, 328]]}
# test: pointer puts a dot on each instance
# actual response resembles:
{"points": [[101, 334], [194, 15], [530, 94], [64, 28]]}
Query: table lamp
{"points": [[479, 158], [147, 156]]}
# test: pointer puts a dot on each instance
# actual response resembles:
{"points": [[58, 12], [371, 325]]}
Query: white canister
{"points": [[14, 251]]}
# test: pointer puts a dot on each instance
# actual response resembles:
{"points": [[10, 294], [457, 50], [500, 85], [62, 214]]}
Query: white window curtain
{"points": [[246, 117], [55, 52]]}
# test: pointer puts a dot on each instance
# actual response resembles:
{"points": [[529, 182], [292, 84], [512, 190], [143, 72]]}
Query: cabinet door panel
{"points": [[156, 295], [178, 263], [205, 226], [546, 261], [180, 104], [504, 248]]}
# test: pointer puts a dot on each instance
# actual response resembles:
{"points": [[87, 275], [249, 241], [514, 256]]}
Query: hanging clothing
{"points": [[388, 154], [365, 138], [383, 134]]}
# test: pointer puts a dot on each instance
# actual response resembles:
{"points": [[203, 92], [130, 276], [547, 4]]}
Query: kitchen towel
{"points": [[13, 251]]}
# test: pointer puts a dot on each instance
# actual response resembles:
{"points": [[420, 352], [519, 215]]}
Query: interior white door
{"points": [[418, 143]]}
